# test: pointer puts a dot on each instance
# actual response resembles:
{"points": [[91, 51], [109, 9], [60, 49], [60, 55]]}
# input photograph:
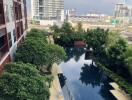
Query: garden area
{"points": [[110, 51], [26, 78]]}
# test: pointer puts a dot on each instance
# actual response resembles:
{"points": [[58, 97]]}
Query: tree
{"points": [[56, 31], [68, 39], [22, 82], [128, 60], [80, 28], [116, 54], [129, 65], [67, 28], [32, 51], [36, 51], [37, 34], [55, 54], [97, 40]]}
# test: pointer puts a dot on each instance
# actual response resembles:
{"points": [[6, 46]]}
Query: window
{"points": [[1, 7], [9, 39], [1, 41], [2, 20], [41, 9]]}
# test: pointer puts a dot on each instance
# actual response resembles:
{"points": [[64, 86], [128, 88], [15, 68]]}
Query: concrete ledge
{"points": [[118, 93], [115, 86], [56, 69], [55, 90]]}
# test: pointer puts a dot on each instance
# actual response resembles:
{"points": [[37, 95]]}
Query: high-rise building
{"points": [[13, 25], [122, 9], [123, 13], [47, 10]]}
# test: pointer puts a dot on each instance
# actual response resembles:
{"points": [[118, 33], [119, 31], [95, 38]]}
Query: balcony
{"points": [[18, 11], [3, 46], [2, 20], [19, 29]]}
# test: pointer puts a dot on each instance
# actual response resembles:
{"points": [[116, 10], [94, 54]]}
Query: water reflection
{"points": [[74, 53], [83, 80], [62, 79], [91, 75], [104, 91]]}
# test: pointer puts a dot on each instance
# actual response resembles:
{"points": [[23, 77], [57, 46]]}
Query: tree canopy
{"points": [[67, 28], [37, 51], [32, 51], [56, 54], [113, 52], [22, 82]]}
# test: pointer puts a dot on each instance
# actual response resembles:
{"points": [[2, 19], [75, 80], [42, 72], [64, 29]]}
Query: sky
{"points": [[86, 6]]}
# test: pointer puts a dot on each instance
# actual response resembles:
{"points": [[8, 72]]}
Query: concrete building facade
{"points": [[13, 25], [123, 12], [47, 11]]}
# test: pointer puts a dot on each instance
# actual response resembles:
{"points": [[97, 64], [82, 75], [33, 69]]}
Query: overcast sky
{"points": [[84, 6]]}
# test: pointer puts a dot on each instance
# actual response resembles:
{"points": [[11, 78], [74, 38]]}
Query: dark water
{"points": [[82, 80]]}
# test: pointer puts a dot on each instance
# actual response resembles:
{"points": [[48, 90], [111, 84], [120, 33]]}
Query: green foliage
{"points": [[37, 34], [32, 51], [123, 83], [79, 28], [22, 82], [56, 31], [97, 40], [55, 54], [68, 39], [129, 64], [25, 70], [37, 51], [128, 56], [67, 28], [116, 53]]}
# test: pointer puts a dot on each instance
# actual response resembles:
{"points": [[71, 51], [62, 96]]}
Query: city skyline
{"points": [[97, 6], [85, 6]]}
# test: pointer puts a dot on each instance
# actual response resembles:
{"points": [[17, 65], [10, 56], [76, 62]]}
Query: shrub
{"points": [[22, 82], [32, 51]]}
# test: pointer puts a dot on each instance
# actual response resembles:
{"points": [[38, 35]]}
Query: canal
{"points": [[82, 80]]}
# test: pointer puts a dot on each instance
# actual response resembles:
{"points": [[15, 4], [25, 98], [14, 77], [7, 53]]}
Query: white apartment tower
{"points": [[122, 9], [47, 10]]}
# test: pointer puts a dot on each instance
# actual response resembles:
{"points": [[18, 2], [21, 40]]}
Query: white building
{"points": [[47, 12], [123, 12]]}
